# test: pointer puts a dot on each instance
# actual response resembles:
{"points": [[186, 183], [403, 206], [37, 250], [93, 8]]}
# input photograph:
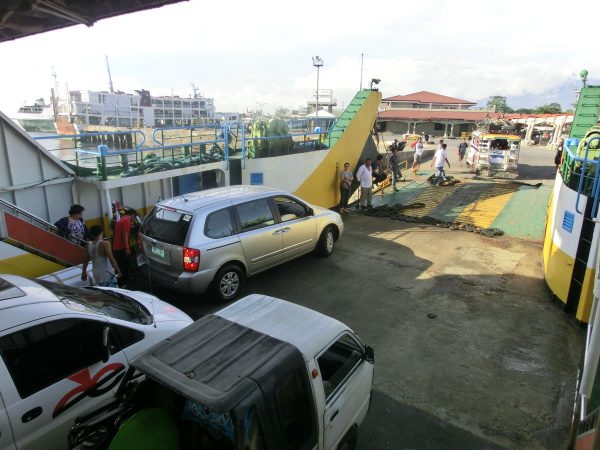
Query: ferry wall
{"points": [[30, 176], [314, 176]]}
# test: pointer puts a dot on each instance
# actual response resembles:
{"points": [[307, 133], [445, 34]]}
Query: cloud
{"points": [[241, 54]]}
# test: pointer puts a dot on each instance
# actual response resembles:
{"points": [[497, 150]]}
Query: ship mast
{"points": [[110, 83], [54, 97], [195, 89]]}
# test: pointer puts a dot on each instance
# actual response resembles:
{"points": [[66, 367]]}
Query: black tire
{"points": [[349, 441], [228, 282], [326, 242]]}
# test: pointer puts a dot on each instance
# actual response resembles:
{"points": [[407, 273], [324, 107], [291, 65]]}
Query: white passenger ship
{"points": [[90, 111]]}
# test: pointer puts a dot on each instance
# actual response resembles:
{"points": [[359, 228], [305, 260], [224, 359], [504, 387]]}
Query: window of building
{"points": [[439, 126]]}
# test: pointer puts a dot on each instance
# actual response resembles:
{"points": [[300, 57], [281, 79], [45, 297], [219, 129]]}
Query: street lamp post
{"points": [[260, 105], [318, 63]]}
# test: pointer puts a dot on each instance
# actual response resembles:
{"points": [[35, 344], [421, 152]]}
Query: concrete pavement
{"points": [[470, 351]]}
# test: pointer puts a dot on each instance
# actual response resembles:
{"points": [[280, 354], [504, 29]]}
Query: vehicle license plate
{"points": [[497, 158], [158, 252]]}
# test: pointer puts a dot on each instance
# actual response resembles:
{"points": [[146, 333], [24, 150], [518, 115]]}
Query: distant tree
{"points": [[550, 108], [524, 110], [281, 111], [498, 104]]}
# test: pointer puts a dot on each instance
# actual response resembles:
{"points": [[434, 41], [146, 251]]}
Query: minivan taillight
{"points": [[191, 259]]}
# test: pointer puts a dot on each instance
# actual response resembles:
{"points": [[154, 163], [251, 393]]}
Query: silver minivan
{"points": [[217, 237]]}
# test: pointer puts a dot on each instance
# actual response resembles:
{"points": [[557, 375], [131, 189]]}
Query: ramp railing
{"points": [[38, 236]]}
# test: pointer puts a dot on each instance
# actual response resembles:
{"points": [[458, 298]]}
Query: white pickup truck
{"points": [[260, 374]]}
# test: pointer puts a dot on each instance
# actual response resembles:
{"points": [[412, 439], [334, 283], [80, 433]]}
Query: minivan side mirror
{"points": [[105, 346], [311, 212], [370, 354]]}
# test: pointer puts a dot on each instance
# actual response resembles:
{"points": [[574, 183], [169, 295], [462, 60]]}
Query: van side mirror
{"points": [[370, 354], [105, 346], [311, 212]]}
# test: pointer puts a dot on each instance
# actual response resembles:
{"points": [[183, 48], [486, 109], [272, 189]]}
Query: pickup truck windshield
{"points": [[99, 301]]}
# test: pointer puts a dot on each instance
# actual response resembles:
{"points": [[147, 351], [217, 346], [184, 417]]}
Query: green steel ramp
{"points": [[587, 112]]}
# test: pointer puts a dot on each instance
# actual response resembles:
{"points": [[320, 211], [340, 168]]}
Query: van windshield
{"points": [[167, 225], [99, 301]]}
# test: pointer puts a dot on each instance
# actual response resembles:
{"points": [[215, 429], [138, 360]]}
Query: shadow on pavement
{"points": [[391, 425], [527, 172]]}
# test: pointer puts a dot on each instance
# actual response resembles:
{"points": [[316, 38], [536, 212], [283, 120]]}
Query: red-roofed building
{"points": [[429, 113]]}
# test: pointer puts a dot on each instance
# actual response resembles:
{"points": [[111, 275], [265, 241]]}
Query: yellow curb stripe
{"points": [[432, 197], [28, 265], [486, 208]]}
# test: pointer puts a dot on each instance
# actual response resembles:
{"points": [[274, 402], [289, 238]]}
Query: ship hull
{"points": [[38, 125]]}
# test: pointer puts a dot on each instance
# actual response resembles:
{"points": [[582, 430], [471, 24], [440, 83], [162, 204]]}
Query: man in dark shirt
{"points": [[462, 150]]}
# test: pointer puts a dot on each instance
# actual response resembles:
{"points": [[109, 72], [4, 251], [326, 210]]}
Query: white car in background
{"points": [[64, 351]]}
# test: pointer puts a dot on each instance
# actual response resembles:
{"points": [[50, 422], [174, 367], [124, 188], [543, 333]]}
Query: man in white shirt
{"points": [[438, 159], [365, 177], [418, 157]]}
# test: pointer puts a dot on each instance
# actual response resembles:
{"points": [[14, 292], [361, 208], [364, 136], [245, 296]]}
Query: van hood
{"points": [[160, 310]]}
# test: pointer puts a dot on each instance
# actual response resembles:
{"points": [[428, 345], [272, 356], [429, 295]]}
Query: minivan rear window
{"points": [[167, 225]]}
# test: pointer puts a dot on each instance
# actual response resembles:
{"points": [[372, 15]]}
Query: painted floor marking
{"points": [[488, 206]]}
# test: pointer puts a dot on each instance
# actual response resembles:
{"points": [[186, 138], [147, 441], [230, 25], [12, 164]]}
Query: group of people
{"points": [[110, 263], [371, 171]]}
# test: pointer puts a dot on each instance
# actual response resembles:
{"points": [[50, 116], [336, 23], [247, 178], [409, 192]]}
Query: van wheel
{"points": [[349, 441], [326, 242], [228, 282]]}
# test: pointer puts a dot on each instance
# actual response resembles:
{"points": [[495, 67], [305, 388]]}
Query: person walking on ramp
{"points": [[438, 159]]}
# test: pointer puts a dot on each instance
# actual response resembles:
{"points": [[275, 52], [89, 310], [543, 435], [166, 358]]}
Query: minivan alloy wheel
{"points": [[229, 284]]}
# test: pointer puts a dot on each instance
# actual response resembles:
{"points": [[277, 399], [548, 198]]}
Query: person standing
{"points": [[365, 178], [462, 150], [121, 247], [346, 178], [104, 266], [395, 168], [559, 153], [72, 227], [438, 159], [378, 169], [418, 157]]}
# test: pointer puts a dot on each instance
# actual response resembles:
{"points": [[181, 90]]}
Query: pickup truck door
{"points": [[6, 437], [347, 380], [53, 374]]}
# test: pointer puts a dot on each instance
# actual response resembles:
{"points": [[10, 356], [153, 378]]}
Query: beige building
{"points": [[432, 114]]}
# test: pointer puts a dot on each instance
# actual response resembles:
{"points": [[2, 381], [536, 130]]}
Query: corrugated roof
{"points": [[436, 115], [428, 97], [22, 18], [215, 362]]}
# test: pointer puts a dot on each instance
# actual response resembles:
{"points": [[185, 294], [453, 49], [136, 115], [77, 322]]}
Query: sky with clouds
{"points": [[241, 53]]}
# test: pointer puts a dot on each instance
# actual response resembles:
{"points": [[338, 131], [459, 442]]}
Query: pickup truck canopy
{"points": [[217, 362]]}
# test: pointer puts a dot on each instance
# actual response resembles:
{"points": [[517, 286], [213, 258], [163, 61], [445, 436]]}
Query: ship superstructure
{"points": [[38, 116], [86, 110]]}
